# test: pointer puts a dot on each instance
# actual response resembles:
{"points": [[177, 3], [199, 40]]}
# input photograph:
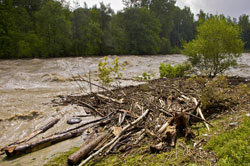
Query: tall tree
{"points": [[53, 27], [142, 30], [184, 27], [245, 30]]}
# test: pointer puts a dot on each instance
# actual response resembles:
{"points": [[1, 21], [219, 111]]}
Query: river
{"points": [[27, 88]]}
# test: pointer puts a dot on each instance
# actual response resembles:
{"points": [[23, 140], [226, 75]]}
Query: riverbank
{"points": [[27, 88], [225, 105]]}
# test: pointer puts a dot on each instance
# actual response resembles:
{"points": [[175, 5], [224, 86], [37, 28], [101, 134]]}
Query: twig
{"points": [[91, 107], [163, 109], [196, 117], [116, 138], [109, 98], [82, 79], [90, 85], [87, 123]]}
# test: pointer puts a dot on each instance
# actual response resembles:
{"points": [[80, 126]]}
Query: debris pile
{"points": [[156, 113]]}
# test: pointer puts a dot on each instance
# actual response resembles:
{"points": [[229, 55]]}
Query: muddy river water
{"points": [[27, 88]]}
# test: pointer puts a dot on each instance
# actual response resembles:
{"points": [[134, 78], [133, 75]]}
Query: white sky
{"points": [[233, 8]]}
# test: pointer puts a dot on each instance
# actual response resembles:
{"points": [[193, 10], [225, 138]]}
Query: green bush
{"points": [[215, 48], [232, 147], [108, 72], [167, 70]]}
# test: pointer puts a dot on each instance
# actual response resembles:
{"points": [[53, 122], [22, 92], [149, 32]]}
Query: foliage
{"points": [[244, 24], [49, 28], [232, 147], [167, 70], [141, 32], [53, 28], [108, 72], [215, 48]]}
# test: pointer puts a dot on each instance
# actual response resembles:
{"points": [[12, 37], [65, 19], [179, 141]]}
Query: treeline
{"points": [[48, 28]]}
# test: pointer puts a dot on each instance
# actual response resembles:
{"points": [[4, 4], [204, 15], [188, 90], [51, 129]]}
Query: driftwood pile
{"points": [[156, 113]]}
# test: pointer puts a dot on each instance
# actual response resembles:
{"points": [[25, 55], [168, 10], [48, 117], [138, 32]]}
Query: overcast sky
{"points": [[233, 8]]}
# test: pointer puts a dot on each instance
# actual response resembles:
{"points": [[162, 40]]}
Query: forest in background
{"points": [[49, 28]]}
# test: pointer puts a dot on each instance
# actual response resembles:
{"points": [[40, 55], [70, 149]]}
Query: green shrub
{"points": [[232, 147], [216, 47], [108, 72], [167, 70]]}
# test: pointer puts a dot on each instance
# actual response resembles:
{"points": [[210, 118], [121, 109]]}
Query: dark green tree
{"points": [[53, 28], [141, 29], [245, 30]]}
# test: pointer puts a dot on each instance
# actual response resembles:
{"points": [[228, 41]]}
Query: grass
{"points": [[224, 145], [232, 147], [60, 159]]}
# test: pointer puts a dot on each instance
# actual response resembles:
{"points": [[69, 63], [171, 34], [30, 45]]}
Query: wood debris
{"points": [[156, 113]]}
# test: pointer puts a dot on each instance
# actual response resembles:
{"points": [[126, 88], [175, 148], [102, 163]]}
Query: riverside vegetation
{"points": [[49, 28]]}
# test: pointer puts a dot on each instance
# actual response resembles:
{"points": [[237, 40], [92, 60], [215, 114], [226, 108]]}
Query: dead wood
{"points": [[35, 133], [116, 138], [200, 113], [76, 157], [109, 98], [106, 118], [164, 126], [82, 116], [16, 150], [91, 107], [82, 79]]}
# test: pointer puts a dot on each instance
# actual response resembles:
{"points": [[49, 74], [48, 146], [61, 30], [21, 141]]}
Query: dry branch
{"points": [[164, 126], [45, 142], [35, 133], [89, 106], [76, 157], [116, 138], [82, 79], [200, 112], [109, 98]]}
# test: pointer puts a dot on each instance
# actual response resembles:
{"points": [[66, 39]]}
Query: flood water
{"points": [[27, 88]]}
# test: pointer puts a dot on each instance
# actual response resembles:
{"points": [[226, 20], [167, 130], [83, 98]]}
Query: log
{"points": [[35, 133], [45, 142], [116, 138], [164, 126], [76, 157]]}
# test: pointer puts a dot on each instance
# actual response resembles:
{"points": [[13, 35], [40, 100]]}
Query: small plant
{"points": [[108, 73], [145, 76], [167, 70]]}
